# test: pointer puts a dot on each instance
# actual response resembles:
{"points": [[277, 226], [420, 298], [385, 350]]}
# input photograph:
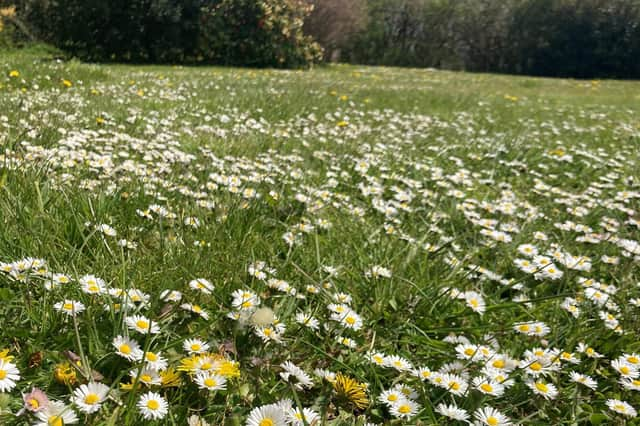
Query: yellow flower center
{"points": [[33, 403], [392, 398], [499, 363], [145, 378], [209, 382], [68, 306], [91, 399], [633, 359], [619, 407], [94, 288], [206, 366], [469, 351], [266, 422], [247, 304], [624, 369], [542, 387], [455, 386], [142, 324], [492, 421], [151, 357], [152, 404], [350, 320], [195, 347], [404, 409], [536, 366], [3, 374], [523, 327], [55, 421], [197, 309], [125, 349], [486, 387]]}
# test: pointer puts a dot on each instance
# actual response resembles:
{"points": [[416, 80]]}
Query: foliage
{"points": [[540, 37], [247, 32]]}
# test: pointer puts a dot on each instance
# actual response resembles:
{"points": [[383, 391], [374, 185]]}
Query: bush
{"points": [[242, 32], [256, 33]]}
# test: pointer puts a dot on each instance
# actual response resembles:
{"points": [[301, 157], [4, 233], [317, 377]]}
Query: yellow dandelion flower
{"points": [[351, 391], [4, 355], [170, 378], [64, 373]]}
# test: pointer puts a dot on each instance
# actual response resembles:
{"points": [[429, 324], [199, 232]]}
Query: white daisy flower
{"points": [[152, 406], [89, 398]]}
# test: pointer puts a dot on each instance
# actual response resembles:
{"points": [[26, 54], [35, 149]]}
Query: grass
{"points": [[399, 208]]}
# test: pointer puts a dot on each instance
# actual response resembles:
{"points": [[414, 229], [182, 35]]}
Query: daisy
{"points": [[307, 417], [405, 409], [210, 381], [293, 371], [142, 324], [307, 320], [245, 300], [272, 415], [171, 296], [397, 362], [391, 396], [195, 346], [488, 386], [202, 285], [452, 412], [88, 398], [69, 307], [35, 401], [621, 407], [547, 390], [9, 374], [155, 361], [147, 376], [585, 380], [624, 369], [91, 284], [127, 348], [152, 406], [196, 309], [56, 413], [491, 417]]}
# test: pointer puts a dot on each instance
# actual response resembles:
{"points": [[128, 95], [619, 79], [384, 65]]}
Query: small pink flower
{"points": [[35, 400]]}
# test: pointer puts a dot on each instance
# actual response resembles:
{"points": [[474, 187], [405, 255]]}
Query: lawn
{"points": [[344, 246]]}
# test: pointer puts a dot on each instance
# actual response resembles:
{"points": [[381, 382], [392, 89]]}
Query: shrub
{"points": [[242, 32]]}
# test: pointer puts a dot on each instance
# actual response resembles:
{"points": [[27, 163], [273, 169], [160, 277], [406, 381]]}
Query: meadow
{"points": [[343, 246]]}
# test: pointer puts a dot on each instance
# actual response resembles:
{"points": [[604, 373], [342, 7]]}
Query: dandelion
{"points": [[350, 392], [65, 374]]}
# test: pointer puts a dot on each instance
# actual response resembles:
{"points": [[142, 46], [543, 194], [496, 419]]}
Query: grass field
{"points": [[342, 246]]}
